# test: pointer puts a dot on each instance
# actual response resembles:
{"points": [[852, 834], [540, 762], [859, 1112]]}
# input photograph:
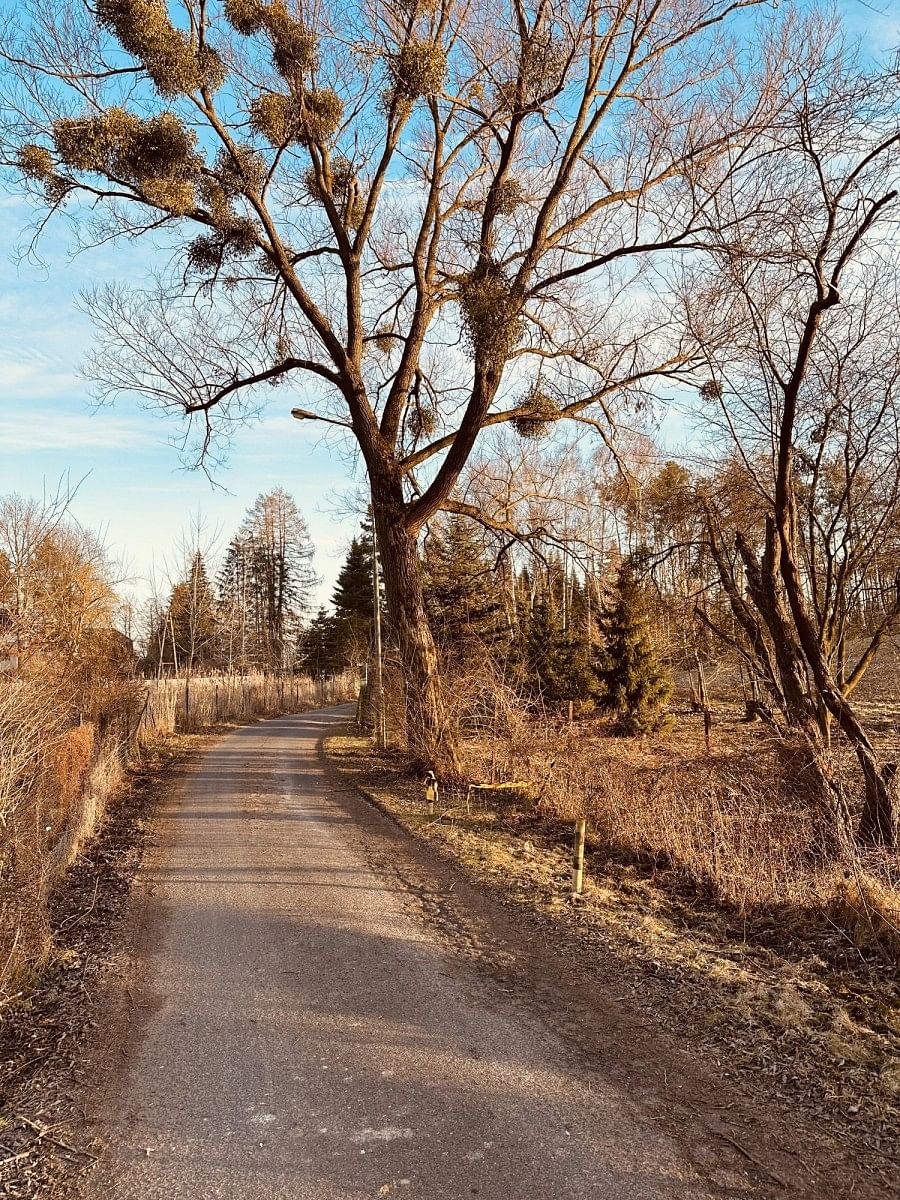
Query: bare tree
{"points": [[438, 216], [801, 324]]}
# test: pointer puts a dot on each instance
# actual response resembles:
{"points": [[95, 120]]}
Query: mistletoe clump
{"points": [[236, 239], [245, 16], [276, 117], [293, 45], [209, 252], [416, 8], [321, 110], [491, 313], [156, 155], [510, 196], [384, 339], [421, 421], [417, 70], [37, 163], [711, 390], [313, 115], [542, 63], [172, 60], [233, 236], [240, 171], [536, 414]]}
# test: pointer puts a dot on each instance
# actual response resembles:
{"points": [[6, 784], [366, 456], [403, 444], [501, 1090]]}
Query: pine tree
{"points": [[462, 592], [635, 684]]}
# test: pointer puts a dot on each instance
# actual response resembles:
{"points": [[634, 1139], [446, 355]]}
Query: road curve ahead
{"points": [[302, 1033]]}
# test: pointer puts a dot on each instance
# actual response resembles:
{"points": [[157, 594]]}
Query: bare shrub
{"points": [[867, 909]]}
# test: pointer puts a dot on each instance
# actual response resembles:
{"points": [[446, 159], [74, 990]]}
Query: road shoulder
{"points": [[504, 906]]}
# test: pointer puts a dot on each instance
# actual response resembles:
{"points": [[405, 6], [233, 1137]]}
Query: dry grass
{"points": [[800, 996], [186, 705], [739, 824]]}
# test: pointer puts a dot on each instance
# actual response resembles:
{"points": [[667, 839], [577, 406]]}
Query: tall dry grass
{"points": [[186, 704], [745, 825], [60, 771]]}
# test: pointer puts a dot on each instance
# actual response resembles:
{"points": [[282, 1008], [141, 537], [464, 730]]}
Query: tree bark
{"points": [[765, 588], [879, 821], [430, 729]]}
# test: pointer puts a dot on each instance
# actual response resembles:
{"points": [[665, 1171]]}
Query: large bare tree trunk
{"points": [[879, 821], [430, 730], [765, 588]]}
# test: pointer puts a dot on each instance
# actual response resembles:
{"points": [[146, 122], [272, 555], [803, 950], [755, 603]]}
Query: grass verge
{"points": [[792, 1007], [46, 1039]]}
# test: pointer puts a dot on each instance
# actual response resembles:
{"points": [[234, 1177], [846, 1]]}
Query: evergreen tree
{"points": [[280, 556], [558, 661], [543, 631], [319, 646], [635, 684], [461, 591], [190, 638], [352, 600], [352, 596]]}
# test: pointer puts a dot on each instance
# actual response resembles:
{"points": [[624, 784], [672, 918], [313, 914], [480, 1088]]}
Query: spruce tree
{"points": [[558, 660], [461, 590], [319, 649], [635, 685], [352, 601], [543, 634]]}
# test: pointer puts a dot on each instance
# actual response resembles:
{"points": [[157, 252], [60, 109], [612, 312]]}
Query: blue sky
{"points": [[134, 488]]}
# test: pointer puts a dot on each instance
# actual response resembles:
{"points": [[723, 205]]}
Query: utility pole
{"points": [[380, 731]]}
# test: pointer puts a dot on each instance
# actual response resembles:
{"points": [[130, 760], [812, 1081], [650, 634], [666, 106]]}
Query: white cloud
{"points": [[22, 430]]}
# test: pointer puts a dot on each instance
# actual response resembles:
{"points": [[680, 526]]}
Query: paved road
{"points": [[304, 1034]]}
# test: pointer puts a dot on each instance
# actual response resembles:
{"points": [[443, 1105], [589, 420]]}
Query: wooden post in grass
{"points": [[431, 791], [578, 857], [704, 704]]}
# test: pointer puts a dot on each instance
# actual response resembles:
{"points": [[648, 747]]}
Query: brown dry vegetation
{"points": [[44, 1049], [708, 874]]}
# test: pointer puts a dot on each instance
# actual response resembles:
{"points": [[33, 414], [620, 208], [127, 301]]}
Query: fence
{"points": [[57, 778]]}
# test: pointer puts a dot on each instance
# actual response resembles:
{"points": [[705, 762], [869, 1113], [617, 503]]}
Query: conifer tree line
{"points": [[556, 634], [251, 616]]}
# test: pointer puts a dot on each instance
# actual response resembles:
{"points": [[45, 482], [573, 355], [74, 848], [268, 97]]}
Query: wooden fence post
{"points": [[431, 791], [578, 857]]}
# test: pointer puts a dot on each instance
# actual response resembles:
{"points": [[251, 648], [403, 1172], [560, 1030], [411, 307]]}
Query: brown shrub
{"points": [[65, 773], [867, 909]]}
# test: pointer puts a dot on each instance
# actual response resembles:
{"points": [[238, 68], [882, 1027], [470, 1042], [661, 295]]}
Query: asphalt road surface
{"points": [[303, 1032]]}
